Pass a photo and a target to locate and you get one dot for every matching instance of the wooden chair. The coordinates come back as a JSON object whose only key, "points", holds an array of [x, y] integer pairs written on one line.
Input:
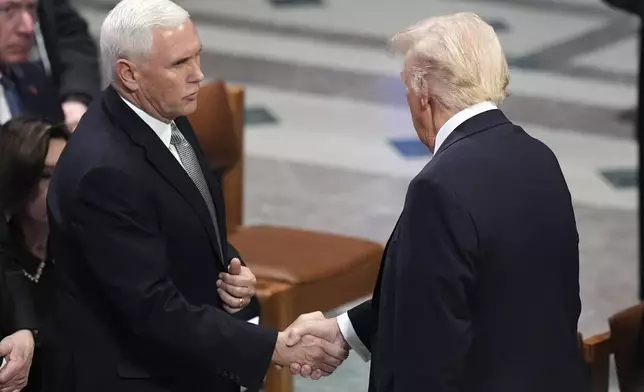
{"points": [[298, 271], [596, 352], [626, 344]]}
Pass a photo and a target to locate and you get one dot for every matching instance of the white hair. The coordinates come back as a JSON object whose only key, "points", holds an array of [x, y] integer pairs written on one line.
{"points": [[126, 32], [455, 59]]}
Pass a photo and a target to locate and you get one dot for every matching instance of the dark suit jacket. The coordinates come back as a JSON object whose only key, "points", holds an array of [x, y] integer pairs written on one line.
{"points": [[16, 303], [38, 94], [70, 50], [632, 6], [478, 288], [137, 261]]}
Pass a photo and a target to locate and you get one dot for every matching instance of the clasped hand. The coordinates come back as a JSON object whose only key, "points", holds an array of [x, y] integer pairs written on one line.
{"points": [[236, 287], [312, 346]]}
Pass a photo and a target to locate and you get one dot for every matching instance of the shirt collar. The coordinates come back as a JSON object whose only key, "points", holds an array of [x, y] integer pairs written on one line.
{"points": [[163, 130], [458, 119]]}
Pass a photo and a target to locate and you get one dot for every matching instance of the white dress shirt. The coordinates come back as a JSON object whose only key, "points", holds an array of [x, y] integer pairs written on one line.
{"points": [[5, 113], [344, 323], [164, 132]]}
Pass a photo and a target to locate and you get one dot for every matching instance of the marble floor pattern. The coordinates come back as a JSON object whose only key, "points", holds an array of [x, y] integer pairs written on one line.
{"points": [[329, 145]]}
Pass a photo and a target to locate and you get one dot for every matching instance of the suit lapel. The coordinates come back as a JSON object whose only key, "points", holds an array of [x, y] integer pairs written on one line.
{"points": [[29, 94], [479, 123], [38, 95], [161, 159]]}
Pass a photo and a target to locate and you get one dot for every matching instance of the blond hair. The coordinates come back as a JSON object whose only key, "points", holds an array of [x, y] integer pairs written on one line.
{"points": [[455, 59]]}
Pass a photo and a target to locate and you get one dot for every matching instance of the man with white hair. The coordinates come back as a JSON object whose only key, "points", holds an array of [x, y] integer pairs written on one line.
{"points": [[148, 283], [478, 288]]}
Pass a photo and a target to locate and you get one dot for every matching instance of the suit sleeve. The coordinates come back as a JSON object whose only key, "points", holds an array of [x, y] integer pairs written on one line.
{"points": [[79, 77], [363, 324], [115, 228], [434, 281]]}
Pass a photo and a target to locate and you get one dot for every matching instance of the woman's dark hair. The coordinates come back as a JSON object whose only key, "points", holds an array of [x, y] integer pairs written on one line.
{"points": [[24, 143]]}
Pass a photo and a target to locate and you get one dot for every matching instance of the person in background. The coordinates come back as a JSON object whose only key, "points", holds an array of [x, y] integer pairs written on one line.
{"points": [[25, 89], [18, 322], [29, 151], [49, 61], [69, 55]]}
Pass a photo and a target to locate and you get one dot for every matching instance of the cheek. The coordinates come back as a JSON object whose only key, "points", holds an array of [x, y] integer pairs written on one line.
{"points": [[37, 207]]}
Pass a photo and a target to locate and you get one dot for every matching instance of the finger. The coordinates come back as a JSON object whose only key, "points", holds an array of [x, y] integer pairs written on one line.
{"points": [[237, 280], [317, 374], [294, 337], [239, 292], [299, 329], [324, 367], [334, 350], [328, 360], [306, 371], [312, 316], [295, 369], [6, 345], [9, 372], [228, 299], [234, 268]]}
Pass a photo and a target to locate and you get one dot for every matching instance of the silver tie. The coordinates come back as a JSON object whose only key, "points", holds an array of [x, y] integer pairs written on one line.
{"points": [[192, 167]]}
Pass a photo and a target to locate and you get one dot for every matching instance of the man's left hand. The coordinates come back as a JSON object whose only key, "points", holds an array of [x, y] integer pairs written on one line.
{"points": [[73, 110], [236, 287]]}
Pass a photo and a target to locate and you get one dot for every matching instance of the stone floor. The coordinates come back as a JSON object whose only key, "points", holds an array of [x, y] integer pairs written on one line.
{"points": [[329, 145]]}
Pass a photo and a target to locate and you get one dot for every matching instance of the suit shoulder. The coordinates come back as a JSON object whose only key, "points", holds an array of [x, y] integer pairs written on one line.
{"points": [[97, 143]]}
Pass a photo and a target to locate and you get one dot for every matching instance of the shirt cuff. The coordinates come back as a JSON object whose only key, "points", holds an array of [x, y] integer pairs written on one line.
{"points": [[351, 337]]}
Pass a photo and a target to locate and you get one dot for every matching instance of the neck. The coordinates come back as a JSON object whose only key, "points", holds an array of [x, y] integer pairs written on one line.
{"points": [[142, 103], [439, 118], [35, 234]]}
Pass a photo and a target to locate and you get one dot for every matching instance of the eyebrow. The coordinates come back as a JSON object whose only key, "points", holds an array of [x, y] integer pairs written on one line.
{"points": [[185, 58]]}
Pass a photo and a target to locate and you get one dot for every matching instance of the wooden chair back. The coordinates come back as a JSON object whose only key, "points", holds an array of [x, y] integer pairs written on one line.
{"points": [[218, 122], [628, 347]]}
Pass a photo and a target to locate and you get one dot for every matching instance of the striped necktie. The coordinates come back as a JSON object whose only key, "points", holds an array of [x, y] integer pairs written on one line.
{"points": [[12, 96], [192, 167]]}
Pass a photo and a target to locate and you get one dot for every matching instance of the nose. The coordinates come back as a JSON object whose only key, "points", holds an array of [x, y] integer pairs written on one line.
{"points": [[198, 74], [27, 23]]}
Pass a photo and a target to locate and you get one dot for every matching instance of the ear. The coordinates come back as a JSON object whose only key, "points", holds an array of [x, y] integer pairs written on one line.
{"points": [[424, 103], [127, 73]]}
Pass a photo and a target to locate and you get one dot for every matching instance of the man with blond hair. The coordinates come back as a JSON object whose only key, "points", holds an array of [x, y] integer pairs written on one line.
{"points": [[478, 288]]}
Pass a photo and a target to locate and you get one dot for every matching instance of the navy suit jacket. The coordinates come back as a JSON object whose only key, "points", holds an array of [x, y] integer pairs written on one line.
{"points": [[137, 259], [39, 96], [478, 289]]}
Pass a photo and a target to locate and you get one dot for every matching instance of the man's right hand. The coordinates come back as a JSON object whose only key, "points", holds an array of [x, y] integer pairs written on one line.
{"points": [[18, 350], [318, 355], [314, 324]]}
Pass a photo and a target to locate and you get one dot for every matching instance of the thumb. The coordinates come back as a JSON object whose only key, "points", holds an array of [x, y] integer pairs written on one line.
{"points": [[234, 268], [6, 345], [293, 337], [315, 328]]}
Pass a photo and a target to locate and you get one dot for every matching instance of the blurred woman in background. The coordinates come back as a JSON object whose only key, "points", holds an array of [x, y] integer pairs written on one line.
{"points": [[29, 151]]}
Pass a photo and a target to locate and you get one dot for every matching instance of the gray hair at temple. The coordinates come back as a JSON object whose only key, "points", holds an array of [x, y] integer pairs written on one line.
{"points": [[457, 60], [126, 32]]}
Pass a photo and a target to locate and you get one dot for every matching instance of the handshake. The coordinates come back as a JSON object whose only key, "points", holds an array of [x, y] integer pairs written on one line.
{"points": [[312, 346]]}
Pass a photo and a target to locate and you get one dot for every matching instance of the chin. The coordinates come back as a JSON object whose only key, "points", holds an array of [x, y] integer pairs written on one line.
{"points": [[16, 58], [191, 106]]}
